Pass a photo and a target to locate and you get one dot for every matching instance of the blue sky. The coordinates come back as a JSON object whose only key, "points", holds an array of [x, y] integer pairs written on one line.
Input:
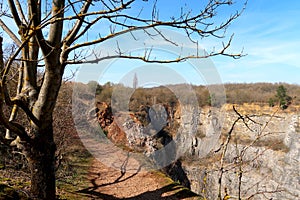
{"points": [[268, 32]]}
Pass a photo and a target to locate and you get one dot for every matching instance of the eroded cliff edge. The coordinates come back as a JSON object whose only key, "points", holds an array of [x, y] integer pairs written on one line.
{"points": [[261, 158]]}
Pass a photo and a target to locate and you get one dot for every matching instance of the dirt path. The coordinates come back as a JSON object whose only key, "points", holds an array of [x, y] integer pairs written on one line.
{"points": [[111, 184], [129, 177]]}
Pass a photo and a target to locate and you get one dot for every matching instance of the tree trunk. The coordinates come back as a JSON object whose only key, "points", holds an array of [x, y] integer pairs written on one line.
{"points": [[41, 156]]}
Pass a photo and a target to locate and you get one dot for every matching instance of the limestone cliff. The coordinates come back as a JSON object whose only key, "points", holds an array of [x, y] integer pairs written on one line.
{"points": [[262, 154]]}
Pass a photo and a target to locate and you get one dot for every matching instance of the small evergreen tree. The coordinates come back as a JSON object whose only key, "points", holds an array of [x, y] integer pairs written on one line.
{"points": [[283, 99]]}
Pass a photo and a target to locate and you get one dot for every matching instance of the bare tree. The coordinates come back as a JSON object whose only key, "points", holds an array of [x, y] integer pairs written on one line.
{"points": [[50, 36], [239, 163]]}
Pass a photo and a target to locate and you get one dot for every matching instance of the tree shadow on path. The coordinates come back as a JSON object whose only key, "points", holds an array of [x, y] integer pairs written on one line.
{"points": [[176, 190], [100, 189]]}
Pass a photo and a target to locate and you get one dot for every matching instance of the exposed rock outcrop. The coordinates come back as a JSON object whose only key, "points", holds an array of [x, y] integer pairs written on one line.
{"points": [[266, 151], [270, 150]]}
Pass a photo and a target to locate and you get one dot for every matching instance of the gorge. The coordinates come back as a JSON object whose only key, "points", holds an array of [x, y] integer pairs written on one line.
{"points": [[251, 151]]}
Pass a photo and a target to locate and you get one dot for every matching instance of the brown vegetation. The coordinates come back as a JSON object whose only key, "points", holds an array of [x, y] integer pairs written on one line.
{"points": [[256, 93]]}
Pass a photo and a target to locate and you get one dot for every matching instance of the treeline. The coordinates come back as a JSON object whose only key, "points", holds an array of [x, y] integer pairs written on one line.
{"points": [[259, 93]]}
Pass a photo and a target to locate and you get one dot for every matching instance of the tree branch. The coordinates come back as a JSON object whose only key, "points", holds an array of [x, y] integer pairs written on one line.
{"points": [[10, 33], [20, 102], [146, 57], [8, 65], [15, 127], [15, 107], [21, 13], [14, 13], [188, 24], [56, 28], [69, 38], [34, 9], [225, 146]]}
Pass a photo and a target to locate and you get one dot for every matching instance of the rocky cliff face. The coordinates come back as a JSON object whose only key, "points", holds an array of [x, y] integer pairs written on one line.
{"points": [[259, 159]]}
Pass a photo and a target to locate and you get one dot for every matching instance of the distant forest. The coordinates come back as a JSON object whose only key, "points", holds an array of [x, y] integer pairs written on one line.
{"points": [[236, 93]]}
